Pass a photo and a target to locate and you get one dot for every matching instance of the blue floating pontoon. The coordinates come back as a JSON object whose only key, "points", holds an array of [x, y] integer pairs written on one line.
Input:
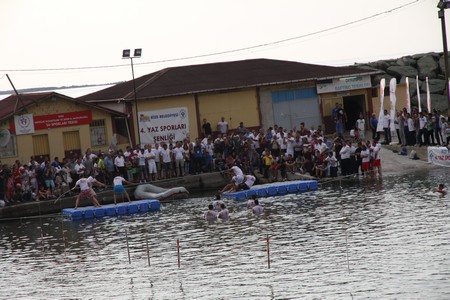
{"points": [[111, 210], [274, 189]]}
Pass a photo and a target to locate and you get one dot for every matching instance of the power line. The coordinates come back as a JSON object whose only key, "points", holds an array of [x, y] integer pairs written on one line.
{"points": [[226, 51]]}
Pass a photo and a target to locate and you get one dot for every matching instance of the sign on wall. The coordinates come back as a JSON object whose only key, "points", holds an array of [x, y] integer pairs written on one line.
{"points": [[344, 84], [24, 124], [27, 123], [157, 126]]}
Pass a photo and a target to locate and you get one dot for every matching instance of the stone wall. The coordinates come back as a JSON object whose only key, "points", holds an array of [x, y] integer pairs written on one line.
{"points": [[424, 65]]}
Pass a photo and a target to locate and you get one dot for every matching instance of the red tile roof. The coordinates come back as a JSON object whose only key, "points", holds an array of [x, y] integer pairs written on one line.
{"points": [[219, 77], [12, 105]]}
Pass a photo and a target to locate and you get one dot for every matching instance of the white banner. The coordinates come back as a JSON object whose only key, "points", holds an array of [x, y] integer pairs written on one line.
{"points": [[408, 98], [428, 96], [157, 126], [418, 94], [393, 98], [381, 114], [439, 156], [24, 124]]}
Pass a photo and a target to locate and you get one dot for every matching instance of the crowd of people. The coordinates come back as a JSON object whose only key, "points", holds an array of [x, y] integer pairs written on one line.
{"points": [[274, 152]]}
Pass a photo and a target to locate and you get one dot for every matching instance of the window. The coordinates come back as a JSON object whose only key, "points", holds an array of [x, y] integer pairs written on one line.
{"points": [[10, 150], [98, 133]]}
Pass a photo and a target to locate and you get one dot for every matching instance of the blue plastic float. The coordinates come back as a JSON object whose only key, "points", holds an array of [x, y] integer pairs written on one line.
{"points": [[111, 210], [274, 189]]}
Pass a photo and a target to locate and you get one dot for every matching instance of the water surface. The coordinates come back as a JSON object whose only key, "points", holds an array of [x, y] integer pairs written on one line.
{"points": [[351, 239]]}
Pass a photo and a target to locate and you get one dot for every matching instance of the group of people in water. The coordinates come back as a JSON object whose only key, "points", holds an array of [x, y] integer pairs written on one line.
{"points": [[218, 210]]}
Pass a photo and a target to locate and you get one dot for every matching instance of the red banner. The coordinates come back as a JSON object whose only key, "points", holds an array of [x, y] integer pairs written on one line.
{"points": [[60, 120]]}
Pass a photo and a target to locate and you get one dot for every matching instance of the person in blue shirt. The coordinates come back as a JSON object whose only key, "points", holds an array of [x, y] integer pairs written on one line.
{"points": [[373, 127]]}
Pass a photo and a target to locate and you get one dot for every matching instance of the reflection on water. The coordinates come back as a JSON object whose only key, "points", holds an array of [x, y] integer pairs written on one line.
{"points": [[350, 240]]}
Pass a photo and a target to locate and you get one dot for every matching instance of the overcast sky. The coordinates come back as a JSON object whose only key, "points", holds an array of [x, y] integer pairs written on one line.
{"points": [[56, 34]]}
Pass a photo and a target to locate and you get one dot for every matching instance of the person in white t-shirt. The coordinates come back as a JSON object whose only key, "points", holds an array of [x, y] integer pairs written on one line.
{"points": [[178, 156], [376, 156], [222, 126], [361, 125], [119, 189], [85, 190], [150, 156], [249, 181]]}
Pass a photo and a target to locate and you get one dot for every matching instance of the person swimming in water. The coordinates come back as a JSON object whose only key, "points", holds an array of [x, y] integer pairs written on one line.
{"points": [[441, 189], [224, 214], [210, 215], [257, 209]]}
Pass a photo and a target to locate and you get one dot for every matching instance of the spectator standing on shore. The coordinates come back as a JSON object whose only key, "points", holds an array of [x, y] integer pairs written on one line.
{"points": [[373, 127], [361, 125], [119, 162], [206, 128], [222, 126], [386, 127]]}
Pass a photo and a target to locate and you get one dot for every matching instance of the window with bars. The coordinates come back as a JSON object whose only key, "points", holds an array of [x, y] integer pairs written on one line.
{"points": [[98, 133]]}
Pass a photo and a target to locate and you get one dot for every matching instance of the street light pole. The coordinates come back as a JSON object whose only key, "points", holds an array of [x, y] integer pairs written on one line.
{"points": [[137, 54], [442, 5]]}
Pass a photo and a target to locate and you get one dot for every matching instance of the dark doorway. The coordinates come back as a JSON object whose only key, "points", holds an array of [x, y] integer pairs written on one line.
{"points": [[353, 106]]}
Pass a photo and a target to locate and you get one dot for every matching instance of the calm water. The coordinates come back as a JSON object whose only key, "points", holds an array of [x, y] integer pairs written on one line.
{"points": [[371, 239]]}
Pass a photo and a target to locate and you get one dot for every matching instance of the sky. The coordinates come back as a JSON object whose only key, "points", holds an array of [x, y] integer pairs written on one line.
{"points": [[64, 43]]}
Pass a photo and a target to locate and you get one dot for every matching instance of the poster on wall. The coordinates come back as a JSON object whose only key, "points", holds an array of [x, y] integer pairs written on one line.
{"points": [[24, 124], [162, 125]]}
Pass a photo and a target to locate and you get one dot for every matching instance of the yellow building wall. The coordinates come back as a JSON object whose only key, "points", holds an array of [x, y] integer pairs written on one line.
{"points": [[400, 94], [235, 107], [172, 102], [24, 143]]}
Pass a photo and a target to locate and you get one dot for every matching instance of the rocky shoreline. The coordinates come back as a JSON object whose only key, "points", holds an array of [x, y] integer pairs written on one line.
{"points": [[423, 65]]}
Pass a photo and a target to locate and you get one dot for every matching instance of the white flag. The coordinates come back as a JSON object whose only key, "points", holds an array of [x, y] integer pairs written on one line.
{"points": [[393, 98], [408, 98], [380, 116], [418, 93], [428, 96]]}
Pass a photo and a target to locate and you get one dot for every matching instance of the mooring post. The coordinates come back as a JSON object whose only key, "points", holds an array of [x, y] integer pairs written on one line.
{"points": [[268, 251], [148, 251], [128, 246], [178, 252]]}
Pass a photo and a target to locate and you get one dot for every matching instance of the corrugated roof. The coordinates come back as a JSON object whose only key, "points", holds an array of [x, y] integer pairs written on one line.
{"points": [[220, 76], [12, 105]]}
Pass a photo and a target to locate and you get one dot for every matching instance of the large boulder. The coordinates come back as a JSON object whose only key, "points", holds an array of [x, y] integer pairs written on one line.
{"points": [[380, 65], [438, 102], [400, 71], [436, 86], [442, 64], [407, 61], [377, 79], [428, 67], [412, 85]]}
